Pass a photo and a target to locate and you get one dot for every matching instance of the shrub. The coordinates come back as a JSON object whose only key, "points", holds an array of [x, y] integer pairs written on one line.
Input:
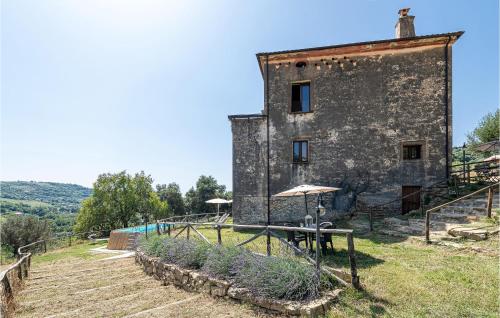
{"points": [[277, 277], [185, 253], [221, 261], [20, 230], [272, 277], [153, 246]]}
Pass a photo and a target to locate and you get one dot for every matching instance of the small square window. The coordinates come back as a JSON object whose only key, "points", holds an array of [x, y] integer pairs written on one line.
{"points": [[300, 151], [300, 98], [412, 152]]}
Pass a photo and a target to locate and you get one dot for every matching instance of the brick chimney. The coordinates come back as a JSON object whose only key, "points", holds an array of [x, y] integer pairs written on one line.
{"points": [[404, 26]]}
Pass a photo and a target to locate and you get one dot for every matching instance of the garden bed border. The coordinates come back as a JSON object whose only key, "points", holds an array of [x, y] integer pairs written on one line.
{"points": [[196, 281]]}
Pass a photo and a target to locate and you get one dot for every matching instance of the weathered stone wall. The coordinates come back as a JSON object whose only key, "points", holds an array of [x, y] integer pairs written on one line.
{"points": [[363, 110], [249, 169]]}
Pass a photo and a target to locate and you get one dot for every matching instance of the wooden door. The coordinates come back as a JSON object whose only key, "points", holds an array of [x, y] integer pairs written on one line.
{"points": [[411, 198]]}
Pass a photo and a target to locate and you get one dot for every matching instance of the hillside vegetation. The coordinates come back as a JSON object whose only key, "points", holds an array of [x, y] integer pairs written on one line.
{"points": [[65, 197], [56, 202]]}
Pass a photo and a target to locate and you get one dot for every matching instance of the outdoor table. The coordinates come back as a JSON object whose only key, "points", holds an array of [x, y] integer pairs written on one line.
{"points": [[310, 238]]}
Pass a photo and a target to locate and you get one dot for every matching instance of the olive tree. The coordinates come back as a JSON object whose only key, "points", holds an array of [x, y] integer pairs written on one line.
{"points": [[120, 200], [19, 230]]}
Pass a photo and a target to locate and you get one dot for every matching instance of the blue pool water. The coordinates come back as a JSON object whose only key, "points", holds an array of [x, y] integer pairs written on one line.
{"points": [[139, 229]]}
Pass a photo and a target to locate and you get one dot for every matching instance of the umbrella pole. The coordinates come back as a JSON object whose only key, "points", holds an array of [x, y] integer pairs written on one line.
{"points": [[305, 200], [308, 235], [318, 238]]}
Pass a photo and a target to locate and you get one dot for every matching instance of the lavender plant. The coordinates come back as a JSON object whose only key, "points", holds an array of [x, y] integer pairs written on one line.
{"points": [[221, 261], [153, 246], [272, 277], [185, 253], [279, 278]]}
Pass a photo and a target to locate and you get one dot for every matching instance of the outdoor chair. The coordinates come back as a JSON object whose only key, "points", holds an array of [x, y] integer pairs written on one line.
{"points": [[295, 238], [326, 237]]}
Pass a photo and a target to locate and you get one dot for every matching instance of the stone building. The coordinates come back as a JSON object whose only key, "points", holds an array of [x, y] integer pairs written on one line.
{"points": [[373, 118]]}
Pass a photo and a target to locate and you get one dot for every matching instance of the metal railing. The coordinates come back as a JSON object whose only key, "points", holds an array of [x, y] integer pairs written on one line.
{"points": [[476, 171], [490, 190], [456, 182]]}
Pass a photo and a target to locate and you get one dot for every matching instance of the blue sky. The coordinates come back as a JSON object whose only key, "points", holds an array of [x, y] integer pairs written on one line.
{"points": [[96, 86]]}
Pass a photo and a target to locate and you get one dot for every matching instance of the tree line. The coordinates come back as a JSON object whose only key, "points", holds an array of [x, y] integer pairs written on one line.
{"points": [[64, 197], [122, 200], [117, 200], [487, 130]]}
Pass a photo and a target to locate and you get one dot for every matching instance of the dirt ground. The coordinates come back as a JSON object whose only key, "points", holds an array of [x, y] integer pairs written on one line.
{"points": [[74, 287]]}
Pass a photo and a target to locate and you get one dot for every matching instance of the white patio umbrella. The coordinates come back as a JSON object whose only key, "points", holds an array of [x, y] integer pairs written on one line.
{"points": [[218, 201], [304, 190]]}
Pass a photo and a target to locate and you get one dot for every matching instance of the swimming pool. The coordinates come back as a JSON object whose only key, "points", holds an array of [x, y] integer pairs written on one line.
{"points": [[138, 229]]}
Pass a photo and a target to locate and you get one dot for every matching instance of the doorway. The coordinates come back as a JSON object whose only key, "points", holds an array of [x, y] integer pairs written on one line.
{"points": [[411, 198]]}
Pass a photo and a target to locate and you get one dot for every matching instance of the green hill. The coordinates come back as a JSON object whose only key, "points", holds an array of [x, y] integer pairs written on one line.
{"points": [[55, 202], [63, 197]]}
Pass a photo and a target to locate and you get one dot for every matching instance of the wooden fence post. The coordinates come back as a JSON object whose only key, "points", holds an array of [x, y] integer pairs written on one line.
{"points": [[188, 226], [352, 261], [427, 225], [45, 246], [219, 237], [168, 229], [20, 272], [490, 201], [69, 239], [158, 228]]}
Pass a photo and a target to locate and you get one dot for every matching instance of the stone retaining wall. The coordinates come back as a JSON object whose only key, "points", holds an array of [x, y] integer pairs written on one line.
{"points": [[195, 281]]}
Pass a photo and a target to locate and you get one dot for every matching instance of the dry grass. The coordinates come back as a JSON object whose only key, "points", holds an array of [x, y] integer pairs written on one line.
{"points": [[407, 278], [90, 286]]}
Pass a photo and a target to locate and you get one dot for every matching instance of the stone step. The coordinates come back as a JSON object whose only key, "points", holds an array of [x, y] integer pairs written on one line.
{"points": [[463, 210], [455, 217], [470, 233], [468, 203], [395, 221]]}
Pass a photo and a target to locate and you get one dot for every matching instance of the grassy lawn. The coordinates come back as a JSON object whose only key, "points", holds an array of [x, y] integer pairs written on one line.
{"points": [[407, 278], [80, 250], [411, 279], [401, 278]]}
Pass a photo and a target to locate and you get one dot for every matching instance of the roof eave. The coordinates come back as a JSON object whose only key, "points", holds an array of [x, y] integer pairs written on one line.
{"points": [[457, 34]]}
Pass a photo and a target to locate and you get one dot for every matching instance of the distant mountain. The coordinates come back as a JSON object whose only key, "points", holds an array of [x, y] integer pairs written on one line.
{"points": [[63, 196]]}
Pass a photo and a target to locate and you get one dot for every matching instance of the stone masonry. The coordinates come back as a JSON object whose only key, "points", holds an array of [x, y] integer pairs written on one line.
{"points": [[367, 100]]}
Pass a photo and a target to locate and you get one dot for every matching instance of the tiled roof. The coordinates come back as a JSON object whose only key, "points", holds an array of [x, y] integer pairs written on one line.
{"points": [[457, 34]]}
